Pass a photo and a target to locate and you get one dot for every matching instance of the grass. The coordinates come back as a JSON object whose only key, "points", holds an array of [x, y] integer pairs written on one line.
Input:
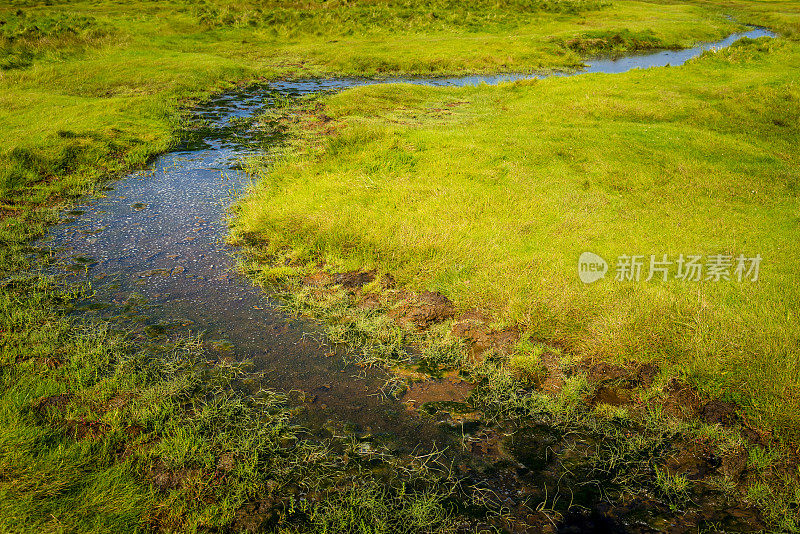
{"points": [[619, 451], [89, 90], [102, 433], [490, 194]]}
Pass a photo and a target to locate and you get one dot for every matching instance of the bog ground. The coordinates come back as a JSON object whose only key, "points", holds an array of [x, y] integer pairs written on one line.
{"points": [[432, 233]]}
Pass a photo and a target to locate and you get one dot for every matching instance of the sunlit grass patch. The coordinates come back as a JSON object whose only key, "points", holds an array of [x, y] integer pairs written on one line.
{"points": [[493, 206]]}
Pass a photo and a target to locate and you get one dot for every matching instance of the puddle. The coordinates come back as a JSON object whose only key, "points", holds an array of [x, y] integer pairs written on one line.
{"points": [[153, 249]]}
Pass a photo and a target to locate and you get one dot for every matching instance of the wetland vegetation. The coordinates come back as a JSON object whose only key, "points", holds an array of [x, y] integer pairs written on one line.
{"points": [[434, 232]]}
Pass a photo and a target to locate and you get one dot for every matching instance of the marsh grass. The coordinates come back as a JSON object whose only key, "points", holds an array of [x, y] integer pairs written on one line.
{"points": [[89, 90], [617, 451], [99, 434], [25, 38], [373, 507], [489, 205], [293, 19]]}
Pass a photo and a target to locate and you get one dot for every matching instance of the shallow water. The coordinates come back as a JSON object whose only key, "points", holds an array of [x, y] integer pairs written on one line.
{"points": [[154, 248]]}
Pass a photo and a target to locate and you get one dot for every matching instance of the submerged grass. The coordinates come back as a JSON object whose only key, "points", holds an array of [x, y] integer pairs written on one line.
{"points": [[100, 434]]}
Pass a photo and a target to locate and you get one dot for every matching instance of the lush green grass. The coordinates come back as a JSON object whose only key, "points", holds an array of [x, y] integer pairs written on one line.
{"points": [[101, 434], [490, 194], [152, 437], [89, 89]]}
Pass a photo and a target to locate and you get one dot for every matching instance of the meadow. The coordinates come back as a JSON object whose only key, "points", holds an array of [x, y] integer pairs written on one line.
{"points": [[490, 194], [486, 194]]}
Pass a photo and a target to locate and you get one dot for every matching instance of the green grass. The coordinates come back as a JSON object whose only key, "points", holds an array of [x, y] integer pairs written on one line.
{"points": [[153, 438], [91, 89], [490, 194], [102, 434]]}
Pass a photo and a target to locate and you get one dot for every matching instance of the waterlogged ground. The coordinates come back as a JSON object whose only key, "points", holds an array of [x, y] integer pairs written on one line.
{"points": [[153, 249]]}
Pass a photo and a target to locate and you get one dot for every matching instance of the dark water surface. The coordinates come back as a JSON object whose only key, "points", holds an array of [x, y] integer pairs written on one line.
{"points": [[154, 246]]}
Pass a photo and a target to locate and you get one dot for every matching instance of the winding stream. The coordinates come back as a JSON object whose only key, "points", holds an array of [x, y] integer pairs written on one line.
{"points": [[153, 249]]}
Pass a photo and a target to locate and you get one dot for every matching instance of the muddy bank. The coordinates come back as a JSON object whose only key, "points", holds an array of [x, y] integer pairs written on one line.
{"points": [[630, 450]]}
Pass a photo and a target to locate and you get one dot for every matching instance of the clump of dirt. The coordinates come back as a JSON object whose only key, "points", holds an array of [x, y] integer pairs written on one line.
{"points": [[354, 279], [534, 447], [615, 384], [318, 279], [226, 462], [554, 381], [370, 301], [118, 401], [80, 429], [474, 327], [388, 282], [693, 459], [680, 400], [604, 373], [719, 412], [734, 465], [630, 375], [54, 401], [423, 310], [167, 479], [256, 516], [53, 362], [612, 396], [646, 374], [450, 389]]}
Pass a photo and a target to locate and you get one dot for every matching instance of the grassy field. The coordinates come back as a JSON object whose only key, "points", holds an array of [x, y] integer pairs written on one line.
{"points": [[490, 194], [102, 433], [89, 90]]}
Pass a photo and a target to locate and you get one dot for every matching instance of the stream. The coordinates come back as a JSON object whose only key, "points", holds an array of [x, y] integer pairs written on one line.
{"points": [[153, 250]]}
